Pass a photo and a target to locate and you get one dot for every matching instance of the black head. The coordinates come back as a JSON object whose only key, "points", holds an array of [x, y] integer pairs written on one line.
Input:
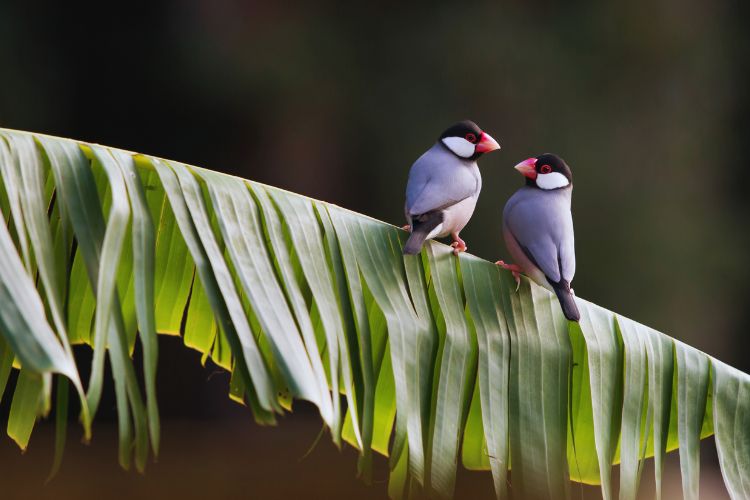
{"points": [[546, 172], [467, 141], [462, 129]]}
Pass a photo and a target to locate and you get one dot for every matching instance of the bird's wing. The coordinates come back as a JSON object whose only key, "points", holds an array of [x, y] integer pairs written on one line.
{"points": [[438, 180], [543, 227]]}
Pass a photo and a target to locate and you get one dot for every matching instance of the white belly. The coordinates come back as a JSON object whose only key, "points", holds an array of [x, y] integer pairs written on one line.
{"points": [[455, 218]]}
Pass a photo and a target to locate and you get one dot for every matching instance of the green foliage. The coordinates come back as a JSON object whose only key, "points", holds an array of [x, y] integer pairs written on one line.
{"points": [[437, 357]]}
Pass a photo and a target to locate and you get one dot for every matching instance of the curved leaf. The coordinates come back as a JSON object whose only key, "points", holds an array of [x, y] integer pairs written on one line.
{"points": [[304, 299]]}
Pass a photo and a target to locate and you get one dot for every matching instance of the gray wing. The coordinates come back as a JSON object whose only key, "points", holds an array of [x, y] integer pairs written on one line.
{"points": [[437, 180], [543, 226]]}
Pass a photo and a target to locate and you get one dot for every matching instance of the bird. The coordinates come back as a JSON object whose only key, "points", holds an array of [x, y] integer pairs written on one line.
{"points": [[538, 228], [444, 185]]}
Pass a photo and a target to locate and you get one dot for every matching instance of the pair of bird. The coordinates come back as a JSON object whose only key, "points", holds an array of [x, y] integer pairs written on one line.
{"points": [[442, 191]]}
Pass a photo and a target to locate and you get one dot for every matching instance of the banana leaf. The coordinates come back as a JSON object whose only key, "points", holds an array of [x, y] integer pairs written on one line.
{"points": [[439, 359]]}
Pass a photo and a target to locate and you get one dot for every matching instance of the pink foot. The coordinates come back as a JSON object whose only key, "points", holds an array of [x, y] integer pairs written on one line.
{"points": [[458, 245], [514, 269], [407, 227]]}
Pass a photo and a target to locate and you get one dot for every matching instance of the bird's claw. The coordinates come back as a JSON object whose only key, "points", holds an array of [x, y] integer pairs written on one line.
{"points": [[515, 271], [458, 248], [406, 227], [458, 245]]}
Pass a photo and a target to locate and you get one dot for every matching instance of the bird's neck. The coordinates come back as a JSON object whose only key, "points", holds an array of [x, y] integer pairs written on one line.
{"points": [[532, 184]]}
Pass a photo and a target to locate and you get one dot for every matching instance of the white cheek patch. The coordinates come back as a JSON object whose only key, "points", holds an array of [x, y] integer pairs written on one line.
{"points": [[553, 180], [460, 146]]}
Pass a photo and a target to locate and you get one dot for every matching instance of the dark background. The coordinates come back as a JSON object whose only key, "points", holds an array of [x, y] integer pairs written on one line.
{"points": [[647, 101]]}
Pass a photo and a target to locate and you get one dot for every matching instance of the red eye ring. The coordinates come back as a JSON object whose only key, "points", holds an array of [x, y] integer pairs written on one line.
{"points": [[545, 169], [471, 138]]}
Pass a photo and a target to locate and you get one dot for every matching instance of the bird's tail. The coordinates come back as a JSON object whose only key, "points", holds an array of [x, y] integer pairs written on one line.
{"points": [[421, 227], [414, 244], [567, 300]]}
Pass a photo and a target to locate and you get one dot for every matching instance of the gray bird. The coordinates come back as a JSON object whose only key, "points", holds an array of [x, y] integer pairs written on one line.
{"points": [[444, 185], [538, 228]]}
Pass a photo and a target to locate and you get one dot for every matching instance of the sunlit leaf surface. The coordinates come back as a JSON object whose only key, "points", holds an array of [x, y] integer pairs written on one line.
{"points": [[431, 359]]}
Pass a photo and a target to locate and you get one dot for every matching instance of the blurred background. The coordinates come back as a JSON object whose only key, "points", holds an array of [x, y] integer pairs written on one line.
{"points": [[647, 101]]}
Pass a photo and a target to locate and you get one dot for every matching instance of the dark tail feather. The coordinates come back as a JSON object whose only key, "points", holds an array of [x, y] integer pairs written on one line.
{"points": [[421, 227], [567, 300], [414, 243]]}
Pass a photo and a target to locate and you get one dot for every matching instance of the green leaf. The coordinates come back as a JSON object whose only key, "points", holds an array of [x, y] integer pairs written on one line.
{"points": [[308, 242], [287, 269], [34, 205], [731, 405], [22, 318], [367, 342], [661, 368], [173, 268], [635, 401], [143, 273], [201, 328], [538, 392], [409, 330], [457, 370], [604, 358], [352, 369], [693, 370], [484, 298], [27, 404], [242, 233], [583, 463], [298, 298], [109, 325], [474, 455], [385, 406], [12, 184], [191, 215]]}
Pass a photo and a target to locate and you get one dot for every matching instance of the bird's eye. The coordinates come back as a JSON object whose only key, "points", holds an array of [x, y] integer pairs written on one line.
{"points": [[471, 138], [545, 169]]}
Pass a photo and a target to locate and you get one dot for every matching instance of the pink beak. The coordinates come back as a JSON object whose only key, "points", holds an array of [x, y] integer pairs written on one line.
{"points": [[527, 168], [486, 144]]}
